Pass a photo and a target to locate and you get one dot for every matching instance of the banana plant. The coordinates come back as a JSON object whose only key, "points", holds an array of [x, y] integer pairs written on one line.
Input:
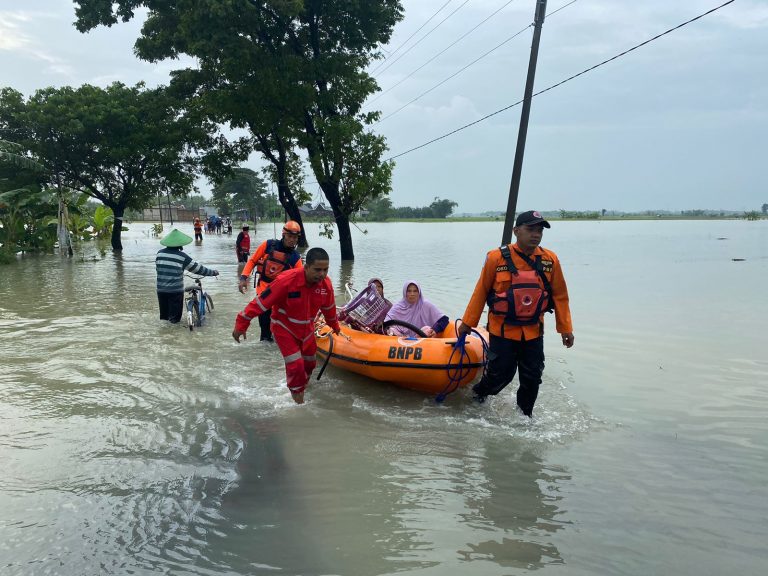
{"points": [[102, 220]]}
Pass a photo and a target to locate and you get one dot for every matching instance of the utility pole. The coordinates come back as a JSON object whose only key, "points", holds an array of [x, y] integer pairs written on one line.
{"points": [[517, 168]]}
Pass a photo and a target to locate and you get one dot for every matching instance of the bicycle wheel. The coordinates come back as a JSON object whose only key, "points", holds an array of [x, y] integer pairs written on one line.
{"points": [[209, 301], [195, 310], [190, 314]]}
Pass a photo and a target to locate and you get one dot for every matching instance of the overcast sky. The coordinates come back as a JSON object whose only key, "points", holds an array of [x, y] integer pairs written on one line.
{"points": [[680, 123]]}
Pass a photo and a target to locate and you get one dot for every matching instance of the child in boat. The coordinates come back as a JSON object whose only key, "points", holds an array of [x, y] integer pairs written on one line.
{"points": [[415, 310]]}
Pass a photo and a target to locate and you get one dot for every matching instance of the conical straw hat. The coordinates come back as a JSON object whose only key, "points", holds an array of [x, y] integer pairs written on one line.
{"points": [[175, 239]]}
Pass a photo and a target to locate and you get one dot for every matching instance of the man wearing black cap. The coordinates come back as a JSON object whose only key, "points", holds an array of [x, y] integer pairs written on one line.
{"points": [[519, 282]]}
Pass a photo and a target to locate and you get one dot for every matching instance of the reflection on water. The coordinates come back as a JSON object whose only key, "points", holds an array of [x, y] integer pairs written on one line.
{"points": [[132, 446]]}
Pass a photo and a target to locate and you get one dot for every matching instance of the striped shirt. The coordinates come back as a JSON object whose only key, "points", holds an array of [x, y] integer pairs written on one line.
{"points": [[170, 264]]}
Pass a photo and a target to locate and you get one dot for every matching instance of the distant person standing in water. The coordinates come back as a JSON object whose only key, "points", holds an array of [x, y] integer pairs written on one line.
{"points": [[520, 282], [198, 226], [171, 262], [243, 247]]}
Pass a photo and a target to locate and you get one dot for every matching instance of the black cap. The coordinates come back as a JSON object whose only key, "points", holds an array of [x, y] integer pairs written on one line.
{"points": [[531, 218]]}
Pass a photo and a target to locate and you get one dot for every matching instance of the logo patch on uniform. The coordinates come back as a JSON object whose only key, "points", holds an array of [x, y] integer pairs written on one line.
{"points": [[547, 265], [294, 294], [503, 268], [321, 291]]}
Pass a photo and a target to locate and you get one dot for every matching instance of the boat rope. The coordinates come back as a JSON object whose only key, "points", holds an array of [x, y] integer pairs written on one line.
{"points": [[328, 357], [457, 372]]}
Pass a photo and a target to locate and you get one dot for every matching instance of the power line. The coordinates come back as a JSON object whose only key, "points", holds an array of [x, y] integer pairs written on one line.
{"points": [[475, 61], [411, 36], [451, 45], [452, 132], [420, 40]]}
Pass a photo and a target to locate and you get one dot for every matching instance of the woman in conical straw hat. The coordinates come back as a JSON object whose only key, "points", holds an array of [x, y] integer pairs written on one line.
{"points": [[171, 262]]}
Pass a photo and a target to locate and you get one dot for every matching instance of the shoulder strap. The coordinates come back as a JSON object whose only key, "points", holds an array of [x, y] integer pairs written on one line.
{"points": [[508, 259]]}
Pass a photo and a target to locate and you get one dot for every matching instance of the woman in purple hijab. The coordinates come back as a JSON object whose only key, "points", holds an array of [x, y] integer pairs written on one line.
{"points": [[415, 310]]}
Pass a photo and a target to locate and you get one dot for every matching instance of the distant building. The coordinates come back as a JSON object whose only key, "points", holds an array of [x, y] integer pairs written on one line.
{"points": [[318, 210]]}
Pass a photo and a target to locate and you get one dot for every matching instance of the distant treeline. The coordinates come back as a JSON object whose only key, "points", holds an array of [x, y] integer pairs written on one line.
{"points": [[381, 210]]}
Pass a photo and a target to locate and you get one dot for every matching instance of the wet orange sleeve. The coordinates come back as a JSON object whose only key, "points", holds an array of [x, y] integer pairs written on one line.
{"points": [[480, 295], [251, 264], [560, 299]]}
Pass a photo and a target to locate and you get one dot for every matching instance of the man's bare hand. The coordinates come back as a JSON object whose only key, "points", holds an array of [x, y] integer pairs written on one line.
{"points": [[242, 285], [464, 329], [236, 335], [567, 339]]}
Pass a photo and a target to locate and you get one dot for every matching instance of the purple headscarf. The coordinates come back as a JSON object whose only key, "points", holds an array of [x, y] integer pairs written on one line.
{"points": [[422, 313]]}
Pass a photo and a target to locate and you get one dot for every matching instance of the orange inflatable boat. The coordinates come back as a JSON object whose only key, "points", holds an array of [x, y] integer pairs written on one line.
{"points": [[431, 365]]}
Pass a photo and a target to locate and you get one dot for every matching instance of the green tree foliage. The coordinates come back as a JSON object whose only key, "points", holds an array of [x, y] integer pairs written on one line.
{"points": [[121, 145], [290, 72], [244, 190], [442, 208], [380, 209]]}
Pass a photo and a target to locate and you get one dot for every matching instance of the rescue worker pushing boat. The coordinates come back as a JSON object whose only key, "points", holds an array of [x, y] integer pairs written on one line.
{"points": [[519, 282], [271, 258], [294, 298]]}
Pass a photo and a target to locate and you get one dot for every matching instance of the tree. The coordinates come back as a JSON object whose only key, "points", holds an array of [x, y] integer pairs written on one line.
{"points": [[288, 71], [442, 208], [380, 209], [121, 145], [244, 190]]}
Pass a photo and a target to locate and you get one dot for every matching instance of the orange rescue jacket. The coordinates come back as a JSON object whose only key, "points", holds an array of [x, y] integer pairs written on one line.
{"points": [[496, 277], [256, 258]]}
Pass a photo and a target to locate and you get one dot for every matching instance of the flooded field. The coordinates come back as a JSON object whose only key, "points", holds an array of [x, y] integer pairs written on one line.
{"points": [[130, 446]]}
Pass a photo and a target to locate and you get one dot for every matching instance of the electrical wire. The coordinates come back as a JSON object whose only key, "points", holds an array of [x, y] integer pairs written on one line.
{"points": [[451, 45], [420, 40], [452, 132], [380, 64], [475, 61]]}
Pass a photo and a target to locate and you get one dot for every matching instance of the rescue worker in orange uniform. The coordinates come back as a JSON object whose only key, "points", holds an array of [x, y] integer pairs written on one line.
{"points": [[294, 299], [519, 282], [270, 259], [198, 226]]}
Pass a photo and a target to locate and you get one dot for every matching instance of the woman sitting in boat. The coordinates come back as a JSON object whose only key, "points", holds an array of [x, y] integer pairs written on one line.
{"points": [[416, 311], [378, 284]]}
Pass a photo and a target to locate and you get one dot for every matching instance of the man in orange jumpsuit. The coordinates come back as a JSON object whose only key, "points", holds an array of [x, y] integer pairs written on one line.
{"points": [[294, 299], [271, 258], [519, 282]]}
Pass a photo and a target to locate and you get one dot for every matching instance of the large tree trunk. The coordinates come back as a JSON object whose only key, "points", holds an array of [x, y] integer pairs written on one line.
{"points": [[331, 191], [117, 228], [288, 202]]}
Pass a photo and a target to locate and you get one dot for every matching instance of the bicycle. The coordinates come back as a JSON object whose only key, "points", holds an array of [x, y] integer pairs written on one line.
{"points": [[196, 302]]}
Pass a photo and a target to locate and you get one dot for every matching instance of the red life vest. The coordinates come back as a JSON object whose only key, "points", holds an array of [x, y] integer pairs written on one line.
{"points": [[527, 293], [275, 261], [244, 244]]}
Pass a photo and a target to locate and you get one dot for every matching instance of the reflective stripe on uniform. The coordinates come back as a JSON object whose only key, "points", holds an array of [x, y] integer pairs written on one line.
{"points": [[292, 357], [309, 358], [290, 319], [278, 323]]}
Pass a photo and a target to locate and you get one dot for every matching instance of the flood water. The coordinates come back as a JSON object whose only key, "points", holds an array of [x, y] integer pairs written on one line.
{"points": [[130, 446]]}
